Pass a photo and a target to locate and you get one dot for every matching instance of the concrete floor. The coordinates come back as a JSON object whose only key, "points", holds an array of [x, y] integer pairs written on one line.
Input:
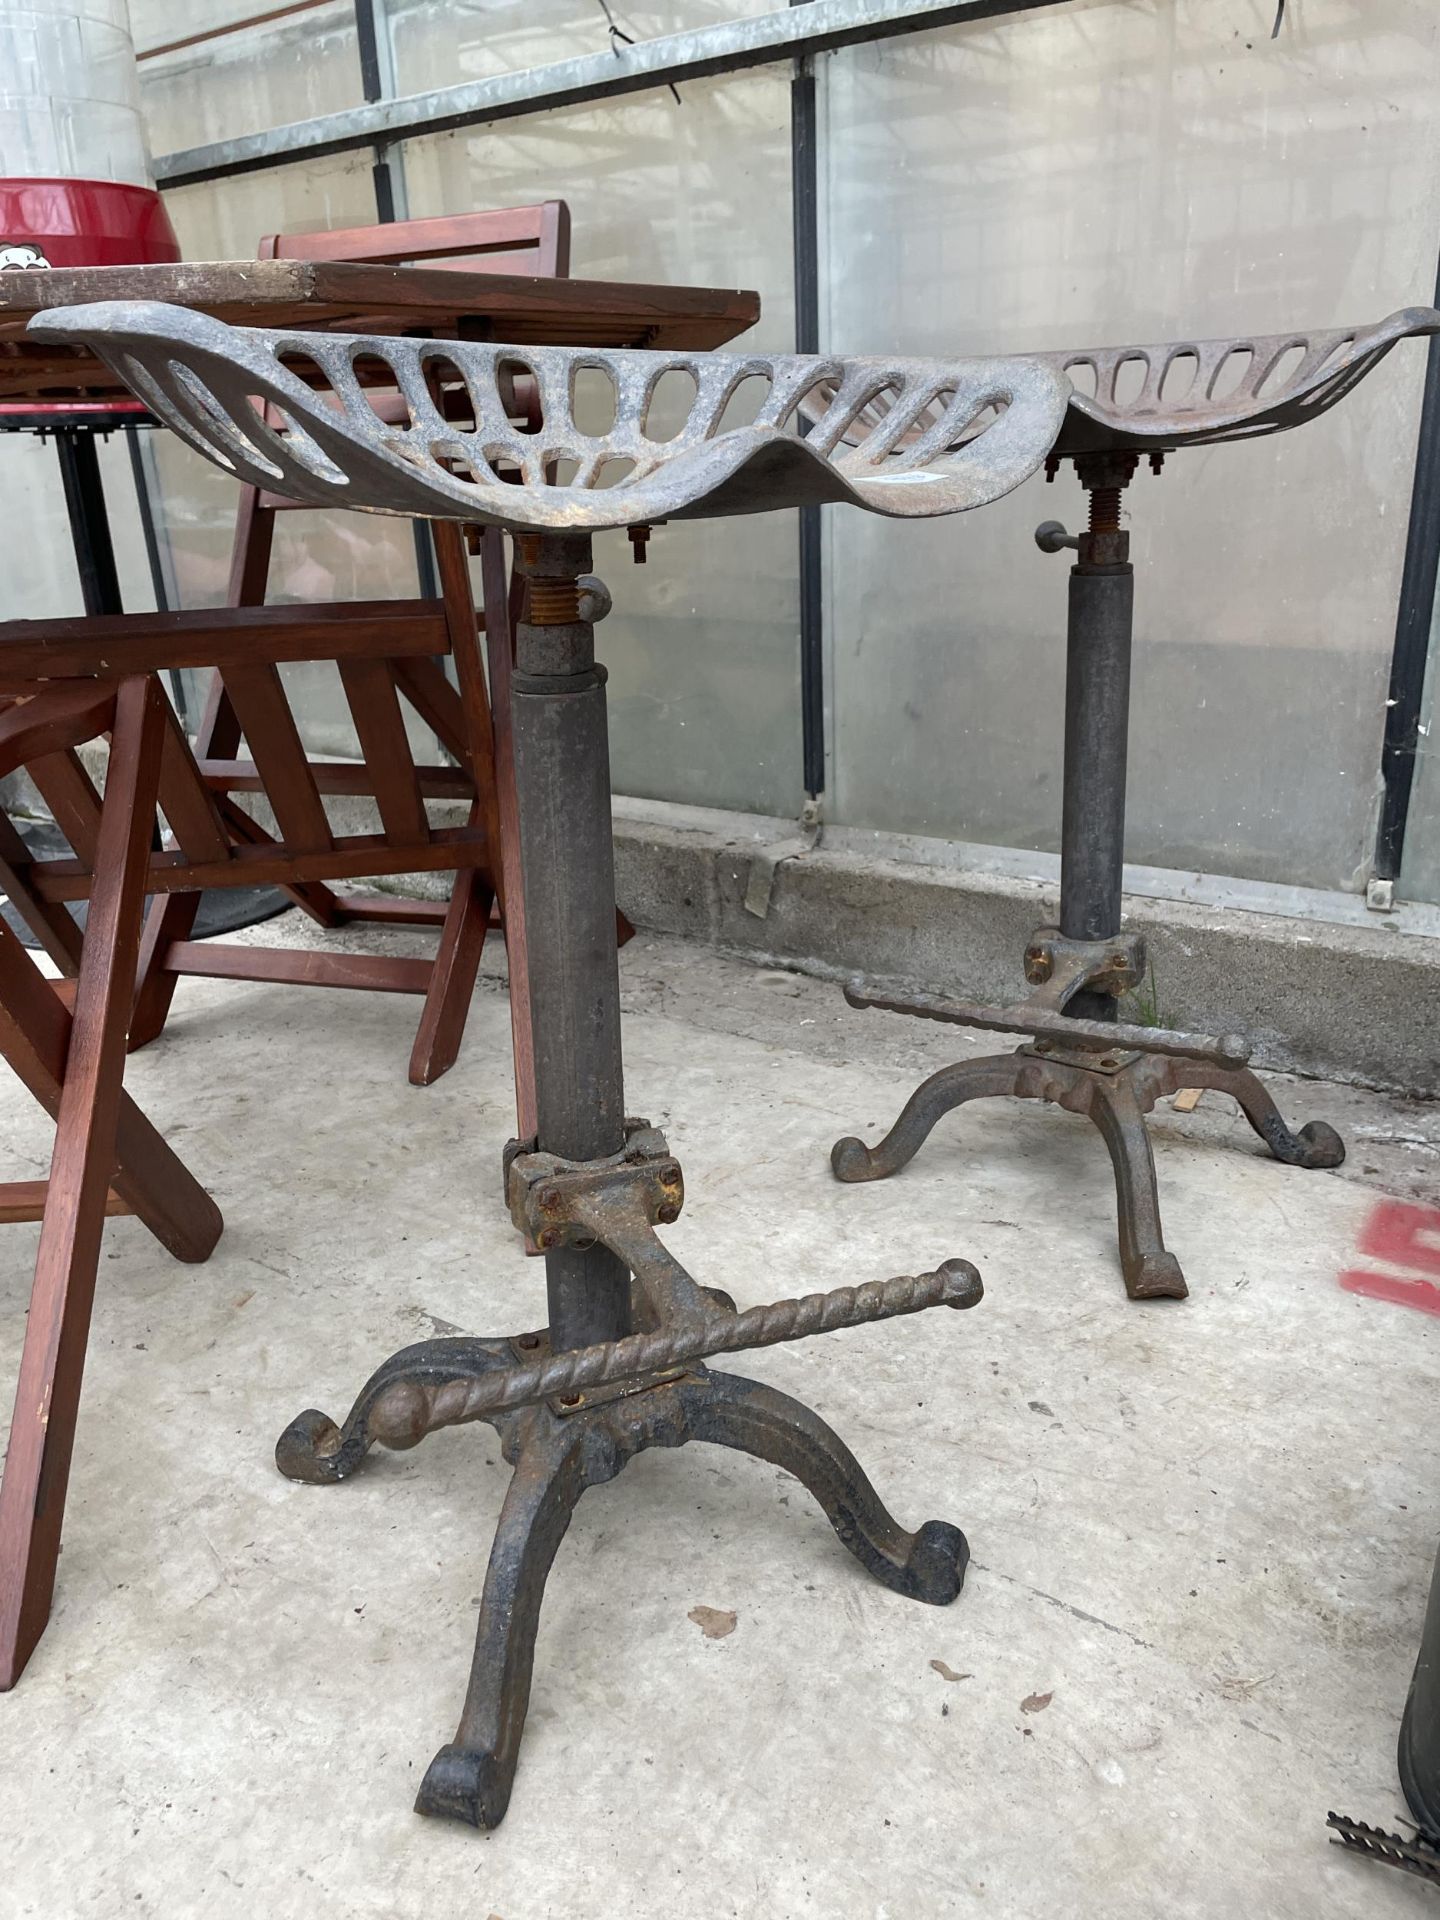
{"points": [[1202, 1531]]}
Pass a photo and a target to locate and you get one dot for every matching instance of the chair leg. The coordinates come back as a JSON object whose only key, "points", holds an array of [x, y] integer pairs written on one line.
{"points": [[37, 1469], [452, 979], [170, 916]]}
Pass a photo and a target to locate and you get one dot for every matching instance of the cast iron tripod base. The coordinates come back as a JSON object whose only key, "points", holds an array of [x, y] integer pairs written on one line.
{"points": [[1116, 1091], [557, 1452]]}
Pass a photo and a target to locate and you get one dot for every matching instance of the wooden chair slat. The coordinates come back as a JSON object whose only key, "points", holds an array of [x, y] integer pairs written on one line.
{"points": [[53, 927], [375, 708], [185, 800], [437, 703], [355, 856], [69, 793], [340, 776], [268, 728]]}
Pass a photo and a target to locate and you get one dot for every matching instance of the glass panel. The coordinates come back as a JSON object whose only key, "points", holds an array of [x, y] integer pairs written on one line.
{"points": [[1089, 175], [263, 76], [46, 586], [1420, 873], [439, 43], [702, 646], [317, 556]]}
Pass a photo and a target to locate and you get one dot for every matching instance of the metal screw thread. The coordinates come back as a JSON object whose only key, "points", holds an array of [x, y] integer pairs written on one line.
{"points": [[1104, 509], [554, 603]]}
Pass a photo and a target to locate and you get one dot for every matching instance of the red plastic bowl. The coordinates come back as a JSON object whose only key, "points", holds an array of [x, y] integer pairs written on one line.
{"points": [[82, 223]]}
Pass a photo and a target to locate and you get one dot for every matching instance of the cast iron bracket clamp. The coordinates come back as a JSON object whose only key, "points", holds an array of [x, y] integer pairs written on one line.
{"points": [[615, 1202]]}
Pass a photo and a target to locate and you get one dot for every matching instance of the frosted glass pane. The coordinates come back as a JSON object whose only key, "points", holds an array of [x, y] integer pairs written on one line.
{"points": [[703, 644], [439, 43], [261, 77], [43, 585], [1101, 173], [317, 556]]}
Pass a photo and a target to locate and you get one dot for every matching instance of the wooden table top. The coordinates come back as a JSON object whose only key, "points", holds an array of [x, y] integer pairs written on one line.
{"points": [[340, 297]]}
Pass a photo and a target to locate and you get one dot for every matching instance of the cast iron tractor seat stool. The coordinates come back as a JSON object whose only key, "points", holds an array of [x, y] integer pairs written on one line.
{"points": [[1079, 1054], [620, 1366]]}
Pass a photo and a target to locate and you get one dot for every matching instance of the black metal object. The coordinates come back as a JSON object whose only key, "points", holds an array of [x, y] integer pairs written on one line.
{"points": [[89, 521], [1080, 1056], [1419, 1749], [805, 221], [1420, 1856], [620, 1366], [1414, 618]]}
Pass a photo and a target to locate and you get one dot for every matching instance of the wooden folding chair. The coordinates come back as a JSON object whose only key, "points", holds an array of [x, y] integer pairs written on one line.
{"points": [[530, 240], [386, 652], [108, 1158]]}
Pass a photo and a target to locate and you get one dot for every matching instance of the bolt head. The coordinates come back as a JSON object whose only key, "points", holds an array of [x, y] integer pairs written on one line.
{"points": [[548, 1237], [668, 1214]]}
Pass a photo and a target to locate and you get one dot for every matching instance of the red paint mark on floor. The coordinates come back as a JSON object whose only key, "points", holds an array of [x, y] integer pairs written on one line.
{"points": [[1403, 1235]]}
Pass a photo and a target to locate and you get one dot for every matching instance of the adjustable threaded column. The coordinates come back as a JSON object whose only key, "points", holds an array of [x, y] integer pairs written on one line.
{"points": [[562, 781]]}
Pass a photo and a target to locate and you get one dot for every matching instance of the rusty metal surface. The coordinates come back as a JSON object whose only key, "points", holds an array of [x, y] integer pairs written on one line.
{"points": [[1116, 1098], [615, 1201], [555, 1458], [1041, 1014], [971, 428]]}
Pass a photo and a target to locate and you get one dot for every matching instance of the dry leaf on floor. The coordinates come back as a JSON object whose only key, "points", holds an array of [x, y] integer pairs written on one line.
{"points": [[1036, 1702], [713, 1622], [948, 1673]]}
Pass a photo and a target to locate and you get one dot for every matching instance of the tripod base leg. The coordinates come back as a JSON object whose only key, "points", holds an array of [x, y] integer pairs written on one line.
{"points": [[1316, 1144], [555, 1456], [1151, 1273], [997, 1074]]}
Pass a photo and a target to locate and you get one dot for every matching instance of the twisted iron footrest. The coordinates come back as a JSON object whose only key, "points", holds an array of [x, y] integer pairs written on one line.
{"points": [[1041, 1022], [409, 1410], [409, 1406]]}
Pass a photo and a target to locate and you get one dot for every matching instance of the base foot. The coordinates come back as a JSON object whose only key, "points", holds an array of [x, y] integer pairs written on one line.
{"points": [[463, 1785], [1116, 1098], [555, 1456]]}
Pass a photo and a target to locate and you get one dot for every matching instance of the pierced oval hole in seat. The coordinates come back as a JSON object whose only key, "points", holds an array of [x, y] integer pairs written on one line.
{"points": [[562, 472], [306, 368], [458, 465], [1231, 372], [520, 395], [1179, 378], [1128, 381], [745, 402], [450, 391], [615, 471], [300, 448], [870, 417], [669, 406], [1273, 386], [380, 387], [980, 422], [222, 426], [505, 466], [811, 406], [1337, 353], [593, 401], [1081, 375]]}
